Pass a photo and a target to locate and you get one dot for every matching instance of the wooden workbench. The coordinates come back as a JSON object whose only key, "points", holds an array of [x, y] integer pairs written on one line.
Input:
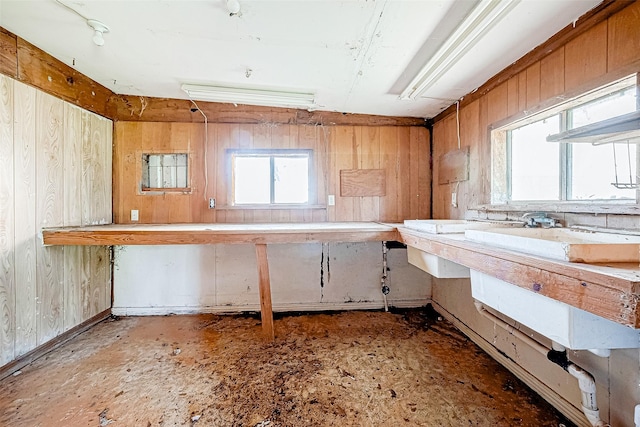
{"points": [[611, 291], [202, 234]]}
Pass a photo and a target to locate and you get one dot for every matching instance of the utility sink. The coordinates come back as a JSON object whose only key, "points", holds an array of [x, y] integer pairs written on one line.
{"points": [[562, 244], [435, 265], [446, 226], [567, 325]]}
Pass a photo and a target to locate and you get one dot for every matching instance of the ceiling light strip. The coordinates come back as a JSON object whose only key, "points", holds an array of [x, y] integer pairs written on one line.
{"points": [[250, 96], [486, 14]]}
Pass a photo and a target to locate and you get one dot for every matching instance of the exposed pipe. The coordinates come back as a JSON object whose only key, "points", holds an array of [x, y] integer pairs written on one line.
{"points": [[383, 280], [558, 355], [512, 330]]}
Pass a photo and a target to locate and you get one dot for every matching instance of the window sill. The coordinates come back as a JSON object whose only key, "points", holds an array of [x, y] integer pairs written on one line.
{"points": [[270, 207], [620, 208]]}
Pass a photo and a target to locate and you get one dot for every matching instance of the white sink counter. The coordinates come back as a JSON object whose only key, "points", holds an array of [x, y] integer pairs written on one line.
{"points": [[609, 290]]}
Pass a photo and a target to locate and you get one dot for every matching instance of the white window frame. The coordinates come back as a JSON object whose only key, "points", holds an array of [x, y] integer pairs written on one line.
{"points": [[501, 156], [271, 153]]}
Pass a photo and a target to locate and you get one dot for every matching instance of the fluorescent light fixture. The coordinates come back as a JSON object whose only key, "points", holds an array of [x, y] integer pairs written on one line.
{"points": [[475, 25], [250, 96]]}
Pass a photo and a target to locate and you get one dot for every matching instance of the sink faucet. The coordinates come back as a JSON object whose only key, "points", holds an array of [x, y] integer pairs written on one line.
{"points": [[539, 219]]}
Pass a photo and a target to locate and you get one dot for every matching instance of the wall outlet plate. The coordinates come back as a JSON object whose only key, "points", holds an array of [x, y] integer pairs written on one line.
{"points": [[212, 203], [331, 200], [134, 214]]}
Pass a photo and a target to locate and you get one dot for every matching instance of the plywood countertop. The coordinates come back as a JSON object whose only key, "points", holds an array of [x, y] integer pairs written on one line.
{"points": [[610, 290], [181, 234]]}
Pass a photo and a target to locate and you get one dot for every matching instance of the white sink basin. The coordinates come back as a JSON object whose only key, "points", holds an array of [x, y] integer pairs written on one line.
{"points": [[573, 328], [562, 244], [447, 226]]}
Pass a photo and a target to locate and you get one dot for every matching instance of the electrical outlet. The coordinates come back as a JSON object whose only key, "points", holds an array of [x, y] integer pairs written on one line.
{"points": [[454, 199], [212, 203], [331, 200], [134, 214]]}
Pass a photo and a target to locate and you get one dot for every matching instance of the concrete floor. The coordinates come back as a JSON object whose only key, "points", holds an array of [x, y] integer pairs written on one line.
{"points": [[343, 369]]}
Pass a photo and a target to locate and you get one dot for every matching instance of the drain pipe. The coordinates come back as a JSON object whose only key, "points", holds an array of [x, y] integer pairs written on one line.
{"points": [[383, 280], [558, 355], [587, 384]]}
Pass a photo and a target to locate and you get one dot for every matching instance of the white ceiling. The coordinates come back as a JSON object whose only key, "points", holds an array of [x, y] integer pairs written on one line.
{"points": [[356, 55]]}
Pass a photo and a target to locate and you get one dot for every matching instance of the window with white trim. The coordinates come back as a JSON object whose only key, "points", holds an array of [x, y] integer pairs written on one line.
{"points": [[526, 167], [270, 177]]}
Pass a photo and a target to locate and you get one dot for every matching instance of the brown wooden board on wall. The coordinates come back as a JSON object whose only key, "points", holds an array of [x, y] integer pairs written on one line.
{"points": [[362, 182], [453, 166]]}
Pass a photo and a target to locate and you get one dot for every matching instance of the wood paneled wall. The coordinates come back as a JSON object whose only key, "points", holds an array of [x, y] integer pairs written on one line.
{"points": [[402, 151], [604, 51], [55, 170]]}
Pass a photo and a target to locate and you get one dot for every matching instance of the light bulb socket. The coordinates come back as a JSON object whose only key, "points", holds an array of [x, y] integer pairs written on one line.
{"points": [[99, 29], [233, 6]]}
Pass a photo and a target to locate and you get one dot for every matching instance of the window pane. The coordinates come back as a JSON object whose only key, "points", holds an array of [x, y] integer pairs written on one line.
{"points": [[535, 163], [594, 171], [613, 105], [252, 177], [165, 171], [291, 179]]}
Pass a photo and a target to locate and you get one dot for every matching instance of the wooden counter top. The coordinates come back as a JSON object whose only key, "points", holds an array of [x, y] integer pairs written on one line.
{"points": [[607, 290], [611, 291], [198, 234]]}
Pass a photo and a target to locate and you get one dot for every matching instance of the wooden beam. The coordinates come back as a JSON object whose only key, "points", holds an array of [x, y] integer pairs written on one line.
{"points": [[266, 310], [8, 53], [149, 109], [598, 14], [203, 234], [38, 68]]}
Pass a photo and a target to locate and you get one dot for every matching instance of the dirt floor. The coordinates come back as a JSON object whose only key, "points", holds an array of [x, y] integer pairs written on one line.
{"points": [[342, 369]]}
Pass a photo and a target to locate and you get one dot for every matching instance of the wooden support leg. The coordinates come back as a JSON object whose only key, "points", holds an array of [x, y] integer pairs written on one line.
{"points": [[266, 312]]}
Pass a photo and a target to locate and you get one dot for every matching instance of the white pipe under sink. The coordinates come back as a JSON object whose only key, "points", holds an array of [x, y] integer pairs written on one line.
{"points": [[585, 380]]}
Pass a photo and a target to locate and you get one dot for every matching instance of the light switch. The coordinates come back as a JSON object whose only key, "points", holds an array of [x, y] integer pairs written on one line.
{"points": [[331, 200], [134, 214]]}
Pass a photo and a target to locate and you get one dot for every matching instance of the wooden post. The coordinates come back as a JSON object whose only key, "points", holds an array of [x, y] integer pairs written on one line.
{"points": [[266, 312]]}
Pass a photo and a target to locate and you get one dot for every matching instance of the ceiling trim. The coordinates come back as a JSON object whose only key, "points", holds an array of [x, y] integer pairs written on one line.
{"points": [[149, 109]]}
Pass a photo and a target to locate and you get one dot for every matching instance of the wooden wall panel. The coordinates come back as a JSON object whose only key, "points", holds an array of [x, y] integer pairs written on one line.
{"points": [[552, 74], [334, 148], [586, 57], [26, 239], [73, 256], [533, 85], [46, 174], [50, 213], [421, 159], [7, 257], [368, 146], [623, 41]]}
